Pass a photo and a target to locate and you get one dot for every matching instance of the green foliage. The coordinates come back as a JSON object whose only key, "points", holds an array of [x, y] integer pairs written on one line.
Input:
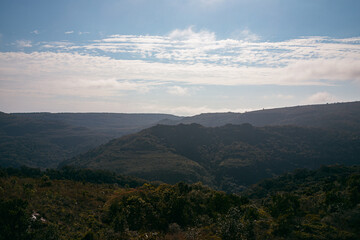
{"points": [[321, 204], [72, 173], [284, 204], [154, 208], [306, 204], [231, 226], [89, 236], [13, 219]]}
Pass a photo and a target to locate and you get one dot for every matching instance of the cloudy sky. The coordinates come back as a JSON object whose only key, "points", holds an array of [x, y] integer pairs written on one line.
{"points": [[182, 57]]}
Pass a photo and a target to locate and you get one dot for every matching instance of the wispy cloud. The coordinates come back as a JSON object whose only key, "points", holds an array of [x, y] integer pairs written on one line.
{"points": [[321, 97], [189, 35], [69, 32], [35, 32], [23, 43], [314, 57], [245, 35], [56, 45], [183, 59], [178, 91]]}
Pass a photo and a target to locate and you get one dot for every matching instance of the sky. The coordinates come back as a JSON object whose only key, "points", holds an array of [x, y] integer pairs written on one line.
{"points": [[182, 57]]}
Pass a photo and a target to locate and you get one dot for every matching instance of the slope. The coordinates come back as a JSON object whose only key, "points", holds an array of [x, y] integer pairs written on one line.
{"points": [[227, 157], [341, 116], [40, 143], [111, 124]]}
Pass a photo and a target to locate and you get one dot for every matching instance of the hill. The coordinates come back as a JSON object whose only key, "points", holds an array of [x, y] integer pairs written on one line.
{"points": [[227, 157], [340, 116], [45, 139], [41, 143], [110, 124]]}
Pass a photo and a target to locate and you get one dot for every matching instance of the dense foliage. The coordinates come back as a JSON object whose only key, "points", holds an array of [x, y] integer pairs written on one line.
{"points": [[306, 204], [321, 204], [75, 174]]}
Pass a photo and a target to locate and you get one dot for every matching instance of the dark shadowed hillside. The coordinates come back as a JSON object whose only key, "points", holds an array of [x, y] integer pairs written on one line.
{"points": [[45, 139], [340, 116], [41, 143], [226, 157]]}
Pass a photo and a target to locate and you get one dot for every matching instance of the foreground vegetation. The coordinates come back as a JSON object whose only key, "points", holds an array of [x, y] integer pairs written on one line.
{"points": [[321, 204]]}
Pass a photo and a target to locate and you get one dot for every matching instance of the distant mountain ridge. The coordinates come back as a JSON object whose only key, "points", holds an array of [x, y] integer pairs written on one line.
{"points": [[340, 116], [111, 124], [225, 157], [39, 143], [45, 139]]}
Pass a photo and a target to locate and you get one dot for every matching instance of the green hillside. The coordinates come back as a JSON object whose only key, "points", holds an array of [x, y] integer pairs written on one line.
{"points": [[227, 157]]}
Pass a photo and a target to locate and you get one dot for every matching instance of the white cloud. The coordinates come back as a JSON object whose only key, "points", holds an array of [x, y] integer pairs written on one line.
{"points": [[178, 91], [246, 35], [69, 32], [322, 69], [35, 32], [190, 35], [182, 57], [298, 60], [321, 97], [23, 43], [75, 73], [60, 44]]}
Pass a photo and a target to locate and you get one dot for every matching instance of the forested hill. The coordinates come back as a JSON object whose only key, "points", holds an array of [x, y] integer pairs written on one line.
{"points": [[340, 116], [225, 157], [45, 139], [41, 143]]}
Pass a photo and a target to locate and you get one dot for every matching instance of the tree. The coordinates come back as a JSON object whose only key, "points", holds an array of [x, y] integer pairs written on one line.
{"points": [[13, 220]]}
